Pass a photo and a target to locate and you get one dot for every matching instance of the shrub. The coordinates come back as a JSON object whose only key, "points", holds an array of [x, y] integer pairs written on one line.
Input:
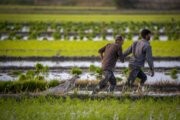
{"points": [[17, 27], [24, 86], [156, 36], [53, 83], [99, 70], [15, 72], [125, 72], [56, 36], [22, 77], [5, 86], [92, 68], [53, 26], [39, 77], [119, 79], [33, 35], [39, 67], [176, 36], [19, 37], [76, 71], [45, 39], [173, 73], [11, 35], [33, 85], [16, 87], [30, 74], [45, 69], [74, 37], [129, 36]]}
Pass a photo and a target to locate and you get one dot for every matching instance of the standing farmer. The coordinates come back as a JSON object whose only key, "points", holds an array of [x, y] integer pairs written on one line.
{"points": [[111, 53], [140, 50]]}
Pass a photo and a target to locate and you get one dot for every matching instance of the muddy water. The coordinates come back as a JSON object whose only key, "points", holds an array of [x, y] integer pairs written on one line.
{"points": [[120, 93], [159, 77], [164, 64]]}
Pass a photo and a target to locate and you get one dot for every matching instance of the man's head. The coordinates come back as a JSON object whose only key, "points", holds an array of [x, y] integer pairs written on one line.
{"points": [[146, 34], [119, 39]]}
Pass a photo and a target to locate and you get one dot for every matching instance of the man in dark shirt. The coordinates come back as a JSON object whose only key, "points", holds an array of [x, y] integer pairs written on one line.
{"points": [[140, 50], [111, 53]]}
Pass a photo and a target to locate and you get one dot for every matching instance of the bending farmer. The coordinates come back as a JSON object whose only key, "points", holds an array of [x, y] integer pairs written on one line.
{"points": [[111, 54]]}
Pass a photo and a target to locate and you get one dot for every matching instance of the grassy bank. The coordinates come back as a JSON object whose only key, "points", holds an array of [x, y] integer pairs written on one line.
{"points": [[77, 48], [50, 108], [86, 18]]}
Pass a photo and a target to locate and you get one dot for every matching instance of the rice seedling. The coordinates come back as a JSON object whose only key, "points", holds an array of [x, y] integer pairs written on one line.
{"points": [[173, 73], [76, 71], [22, 77], [51, 108], [14, 72]]}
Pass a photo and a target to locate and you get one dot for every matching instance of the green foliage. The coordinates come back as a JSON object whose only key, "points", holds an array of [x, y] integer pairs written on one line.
{"points": [[99, 71], [119, 79], [38, 77], [92, 68], [90, 29], [22, 86], [125, 72], [11, 35], [156, 36], [129, 36], [15, 72], [45, 38], [22, 77], [56, 36], [173, 73], [19, 37], [53, 83], [30, 74], [123, 109], [33, 35], [39, 67], [76, 71], [45, 69], [176, 36]]}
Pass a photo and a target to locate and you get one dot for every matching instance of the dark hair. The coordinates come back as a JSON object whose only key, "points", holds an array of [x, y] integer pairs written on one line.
{"points": [[118, 37], [145, 32]]}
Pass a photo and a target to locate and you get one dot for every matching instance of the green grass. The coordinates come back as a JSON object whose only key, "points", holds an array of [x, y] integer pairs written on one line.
{"points": [[26, 86], [19, 9], [53, 7], [55, 109], [86, 18], [77, 48]]}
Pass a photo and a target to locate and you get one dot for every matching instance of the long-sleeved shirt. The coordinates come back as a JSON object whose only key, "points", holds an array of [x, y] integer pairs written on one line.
{"points": [[140, 50], [111, 53]]}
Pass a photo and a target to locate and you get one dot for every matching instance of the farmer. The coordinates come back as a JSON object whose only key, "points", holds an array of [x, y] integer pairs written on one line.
{"points": [[140, 50], [111, 53]]}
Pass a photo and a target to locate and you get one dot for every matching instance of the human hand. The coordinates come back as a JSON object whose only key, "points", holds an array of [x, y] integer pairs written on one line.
{"points": [[152, 73]]}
